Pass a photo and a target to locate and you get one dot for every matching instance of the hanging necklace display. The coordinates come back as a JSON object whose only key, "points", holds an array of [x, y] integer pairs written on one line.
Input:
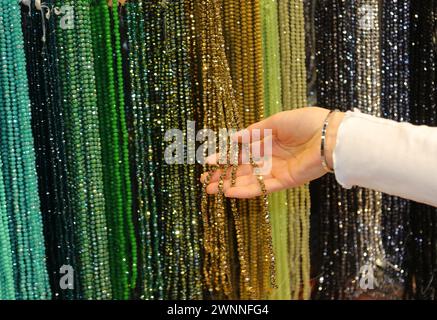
{"points": [[162, 98], [422, 247], [85, 172], [48, 132], [113, 134], [17, 155], [221, 111]]}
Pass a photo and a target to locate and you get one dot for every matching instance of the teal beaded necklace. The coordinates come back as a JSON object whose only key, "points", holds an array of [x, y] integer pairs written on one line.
{"points": [[19, 174], [7, 290]]}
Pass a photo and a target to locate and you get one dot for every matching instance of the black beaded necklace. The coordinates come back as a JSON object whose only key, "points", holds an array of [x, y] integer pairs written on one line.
{"points": [[48, 131], [422, 245]]}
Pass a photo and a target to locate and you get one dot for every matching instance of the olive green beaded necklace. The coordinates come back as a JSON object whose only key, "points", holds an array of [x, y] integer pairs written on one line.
{"points": [[285, 88], [294, 95], [272, 93]]}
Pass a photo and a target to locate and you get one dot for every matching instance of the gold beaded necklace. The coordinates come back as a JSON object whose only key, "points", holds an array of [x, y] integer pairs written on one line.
{"points": [[242, 31], [223, 240]]}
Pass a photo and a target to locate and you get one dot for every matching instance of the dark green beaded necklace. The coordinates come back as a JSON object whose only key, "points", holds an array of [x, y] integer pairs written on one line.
{"points": [[162, 98], [142, 154], [84, 151]]}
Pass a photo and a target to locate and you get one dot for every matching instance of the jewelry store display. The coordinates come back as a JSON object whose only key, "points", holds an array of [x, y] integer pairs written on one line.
{"points": [[109, 108]]}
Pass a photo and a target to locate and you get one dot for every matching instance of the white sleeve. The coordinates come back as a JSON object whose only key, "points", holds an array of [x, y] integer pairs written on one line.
{"points": [[395, 158]]}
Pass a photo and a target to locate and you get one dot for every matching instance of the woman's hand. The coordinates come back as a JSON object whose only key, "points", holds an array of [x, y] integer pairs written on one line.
{"points": [[296, 159]]}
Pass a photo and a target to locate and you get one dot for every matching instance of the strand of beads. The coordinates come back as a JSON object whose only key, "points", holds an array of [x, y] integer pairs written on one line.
{"points": [[395, 104], [48, 130], [294, 92], [186, 110], [7, 289], [272, 100], [335, 251], [113, 133], [160, 69], [142, 154], [222, 111], [368, 93], [423, 219], [83, 147], [18, 158], [242, 33]]}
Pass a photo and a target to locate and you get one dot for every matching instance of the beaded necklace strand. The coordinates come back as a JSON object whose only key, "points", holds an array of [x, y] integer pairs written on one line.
{"points": [[334, 209], [80, 110], [395, 104], [285, 88], [221, 111], [242, 35], [18, 158], [294, 92], [272, 105], [7, 289], [142, 154], [162, 99], [368, 93], [423, 219], [48, 131], [113, 133]]}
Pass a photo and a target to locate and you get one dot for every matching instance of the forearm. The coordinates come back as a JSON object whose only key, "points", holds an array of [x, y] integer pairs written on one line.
{"points": [[396, 158]]}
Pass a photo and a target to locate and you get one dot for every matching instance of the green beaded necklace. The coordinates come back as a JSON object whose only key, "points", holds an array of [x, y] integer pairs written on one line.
{"points": [[113, 132], [84, 151]]}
